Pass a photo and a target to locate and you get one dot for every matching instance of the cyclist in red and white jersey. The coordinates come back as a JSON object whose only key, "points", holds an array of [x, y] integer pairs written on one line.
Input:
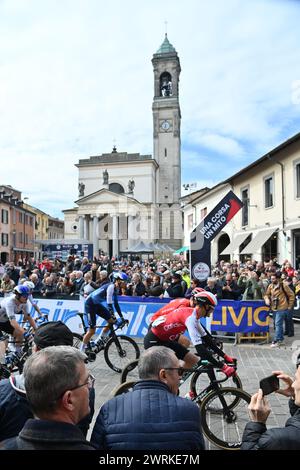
{"points": [[166, 329], [176, 303]]}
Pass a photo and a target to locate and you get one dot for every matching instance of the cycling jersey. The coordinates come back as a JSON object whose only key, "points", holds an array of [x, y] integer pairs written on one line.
{"points": [[105, 293], [170, 307], [169, 327], [31, 300], [9, 309]]}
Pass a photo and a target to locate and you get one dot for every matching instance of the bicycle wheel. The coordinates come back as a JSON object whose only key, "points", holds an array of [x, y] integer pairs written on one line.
{"points": [[77, 340], [221, 424], [123, 388], [117, 358], [200, 381], [130, 372]]}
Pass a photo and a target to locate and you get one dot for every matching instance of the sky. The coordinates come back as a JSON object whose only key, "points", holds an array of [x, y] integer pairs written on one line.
{"points": [[76, 75]]}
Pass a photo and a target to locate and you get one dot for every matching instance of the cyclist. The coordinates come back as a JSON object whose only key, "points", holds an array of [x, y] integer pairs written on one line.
{"points": [[12, 306], [31, 300], [166, 329], [176, 303], [173, 305], [95, 304]]}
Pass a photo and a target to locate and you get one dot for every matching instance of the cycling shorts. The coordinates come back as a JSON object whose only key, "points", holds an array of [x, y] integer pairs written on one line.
{"points": [[92, 310], [152, 340], [7, 327]]}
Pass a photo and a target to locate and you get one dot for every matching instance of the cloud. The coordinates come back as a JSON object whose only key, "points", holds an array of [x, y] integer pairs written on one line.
{"points": [[76, 75]]}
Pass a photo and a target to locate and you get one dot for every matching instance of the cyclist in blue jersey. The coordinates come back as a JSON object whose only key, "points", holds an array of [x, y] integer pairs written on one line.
{"points": [[102, 302]]}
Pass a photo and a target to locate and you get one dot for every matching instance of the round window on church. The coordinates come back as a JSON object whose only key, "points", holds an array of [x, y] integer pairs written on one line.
{"points": [[116, 188]]}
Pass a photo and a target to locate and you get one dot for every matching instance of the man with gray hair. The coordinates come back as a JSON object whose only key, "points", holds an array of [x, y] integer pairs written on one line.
{"points": [[152, 416], [57, 385], [14, 407]]}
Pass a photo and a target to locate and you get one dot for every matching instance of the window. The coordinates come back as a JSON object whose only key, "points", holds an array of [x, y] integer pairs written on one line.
{"points": [[190, 221], [31, 221], [245, 209], [14, 216], [4, 216], [26, 219], [269, 192], [26, 239], [4, 239], [20, 236], [203, 213], [297, 175]]}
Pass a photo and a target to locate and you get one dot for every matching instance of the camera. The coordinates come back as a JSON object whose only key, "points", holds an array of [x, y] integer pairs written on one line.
{"points": [[269, 384]]}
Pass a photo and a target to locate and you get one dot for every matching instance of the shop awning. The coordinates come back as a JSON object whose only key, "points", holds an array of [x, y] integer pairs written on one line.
{"points": [[181, 250], [235, 243], [254, 247]]}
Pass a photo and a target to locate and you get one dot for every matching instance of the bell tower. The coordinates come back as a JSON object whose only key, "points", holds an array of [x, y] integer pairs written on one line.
{"points": [[166, 139]]}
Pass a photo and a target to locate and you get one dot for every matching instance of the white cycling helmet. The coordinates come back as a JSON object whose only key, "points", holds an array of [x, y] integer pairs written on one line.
{"points": [[29, 284], [206, 298]]}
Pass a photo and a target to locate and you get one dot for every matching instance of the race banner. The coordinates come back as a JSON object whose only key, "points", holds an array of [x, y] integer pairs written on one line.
{"points": [[229, 315], [234, 316], [206, 231]]}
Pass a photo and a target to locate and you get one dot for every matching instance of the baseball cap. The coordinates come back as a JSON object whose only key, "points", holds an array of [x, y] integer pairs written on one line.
{"points": [[53, 333]]}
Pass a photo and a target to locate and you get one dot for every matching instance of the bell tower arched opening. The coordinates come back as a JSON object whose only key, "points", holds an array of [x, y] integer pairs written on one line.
{"points": [[165, 84]]}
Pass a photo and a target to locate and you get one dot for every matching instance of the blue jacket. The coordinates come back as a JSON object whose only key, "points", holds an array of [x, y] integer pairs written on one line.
{"points": [[148, 418], [15, 409]]}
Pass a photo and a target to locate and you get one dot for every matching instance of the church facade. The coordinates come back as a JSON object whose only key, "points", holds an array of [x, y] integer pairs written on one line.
{"points": [[124, 198]]}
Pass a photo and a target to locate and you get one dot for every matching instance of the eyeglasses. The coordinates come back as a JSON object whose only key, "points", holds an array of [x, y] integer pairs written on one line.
{"points": [[89, 382], [180, 370]]}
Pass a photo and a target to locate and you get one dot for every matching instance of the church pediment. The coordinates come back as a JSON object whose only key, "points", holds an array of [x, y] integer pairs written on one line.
{"points": [[103, 196]]}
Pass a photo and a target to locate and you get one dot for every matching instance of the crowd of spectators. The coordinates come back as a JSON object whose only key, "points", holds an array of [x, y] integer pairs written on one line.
{"points": [[152, 277]]}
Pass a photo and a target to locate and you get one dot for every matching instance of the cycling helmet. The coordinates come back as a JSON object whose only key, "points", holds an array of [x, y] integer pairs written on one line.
{"points": [[22, 291], [29, 284], [206, 298], [197, 290], [119, 275]]}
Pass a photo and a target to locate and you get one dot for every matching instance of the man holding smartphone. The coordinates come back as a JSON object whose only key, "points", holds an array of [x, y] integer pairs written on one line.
{"points": [[256, 436]]}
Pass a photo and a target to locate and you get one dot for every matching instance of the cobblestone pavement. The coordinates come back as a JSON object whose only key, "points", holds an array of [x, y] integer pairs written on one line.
{"points": [[255, 361]]}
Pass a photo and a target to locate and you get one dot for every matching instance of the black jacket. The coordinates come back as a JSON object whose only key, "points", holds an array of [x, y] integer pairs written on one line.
{"points": [[38, 434], [175, 290], [257, 437], [15, 409]]}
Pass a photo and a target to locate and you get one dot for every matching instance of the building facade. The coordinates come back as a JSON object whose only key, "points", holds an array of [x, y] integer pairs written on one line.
{"points": [[124, 198], [16, 226], [46, 227], [268, 225]]}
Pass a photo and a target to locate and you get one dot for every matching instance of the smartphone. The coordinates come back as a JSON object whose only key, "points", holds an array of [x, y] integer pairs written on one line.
{"points": [[269, 384]]}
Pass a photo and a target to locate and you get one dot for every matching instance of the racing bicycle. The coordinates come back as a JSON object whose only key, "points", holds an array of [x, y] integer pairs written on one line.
{"points": [[119, 350]]}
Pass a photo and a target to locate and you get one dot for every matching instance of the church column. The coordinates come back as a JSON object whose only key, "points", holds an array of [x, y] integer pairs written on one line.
{"points": [[131, 231], [95, 236], [81, 227], [86, 227], [115, 235]]}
